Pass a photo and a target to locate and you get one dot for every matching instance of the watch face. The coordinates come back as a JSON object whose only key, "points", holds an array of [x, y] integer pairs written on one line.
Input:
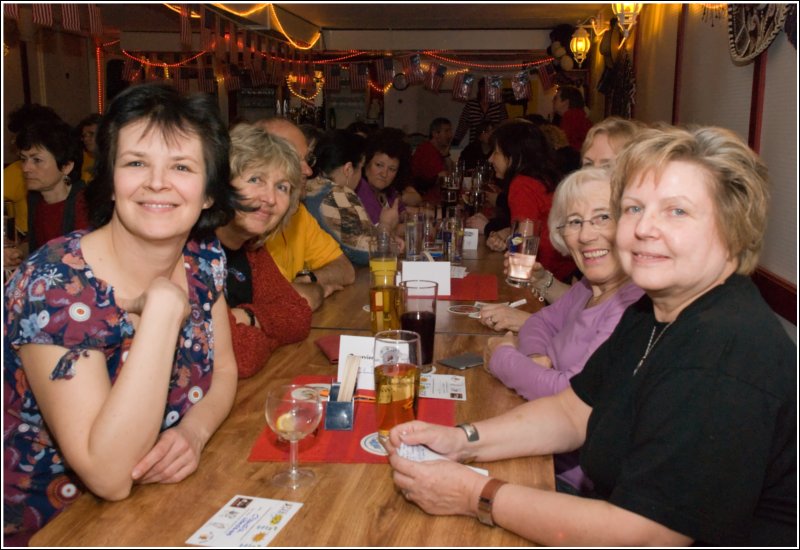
{"points": [[400, 82]]}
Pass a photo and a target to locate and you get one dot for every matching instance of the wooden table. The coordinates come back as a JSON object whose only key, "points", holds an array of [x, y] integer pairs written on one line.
{"points": [[348, 505]]}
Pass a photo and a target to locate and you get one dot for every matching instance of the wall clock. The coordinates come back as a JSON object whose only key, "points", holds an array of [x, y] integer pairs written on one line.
{"points": [[400, 82]]}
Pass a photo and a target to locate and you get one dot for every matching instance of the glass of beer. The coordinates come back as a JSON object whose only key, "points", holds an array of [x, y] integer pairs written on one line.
{"points": [[384, 301], [523, 244], [382, 250], [418, 314], [397, 357]]}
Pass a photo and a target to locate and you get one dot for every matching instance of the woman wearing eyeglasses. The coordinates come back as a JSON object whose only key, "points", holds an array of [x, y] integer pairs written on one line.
{"points": [[555, 343]]}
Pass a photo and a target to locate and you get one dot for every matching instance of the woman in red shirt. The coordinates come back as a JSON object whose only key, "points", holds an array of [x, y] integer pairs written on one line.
{"points": [[525, 164]]}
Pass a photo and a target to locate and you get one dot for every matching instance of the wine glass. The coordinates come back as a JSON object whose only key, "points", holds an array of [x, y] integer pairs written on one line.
{"points": [[293, 411], [397, 358]]}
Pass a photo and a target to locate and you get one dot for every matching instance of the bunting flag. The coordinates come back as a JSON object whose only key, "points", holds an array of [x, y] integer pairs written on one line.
{"points": [[232, 80], [205, 78], [384, 71], [95, 21], [332, 77], [207, 28], [130, 70], [435, 77], [11, 11], [412, 69], [233, 40], [186, 28], [43, 14], [180, 74], [546, 75], [358, 76], [70, 18]]}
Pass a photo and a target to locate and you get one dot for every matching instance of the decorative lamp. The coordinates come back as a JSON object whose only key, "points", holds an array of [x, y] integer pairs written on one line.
{"points": [[580, 44], [626, 14]]}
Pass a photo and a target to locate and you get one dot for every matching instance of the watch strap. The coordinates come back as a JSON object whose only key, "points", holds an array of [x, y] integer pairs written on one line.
{"points": [[471, 431], [486, 500]]}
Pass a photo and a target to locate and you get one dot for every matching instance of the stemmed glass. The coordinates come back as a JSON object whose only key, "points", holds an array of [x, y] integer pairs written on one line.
{"points": [[293, 411]]}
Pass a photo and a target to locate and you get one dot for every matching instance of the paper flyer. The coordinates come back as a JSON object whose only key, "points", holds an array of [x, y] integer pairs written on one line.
{"points": [[245, 521]]}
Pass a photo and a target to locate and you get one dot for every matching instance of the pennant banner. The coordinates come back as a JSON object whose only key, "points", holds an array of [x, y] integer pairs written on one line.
{"points": [[70, 17], [186, 28], [43, 14], [332, 77], [384, 71], [95, 21], [11, 11], [435, 77], [358, 76]]}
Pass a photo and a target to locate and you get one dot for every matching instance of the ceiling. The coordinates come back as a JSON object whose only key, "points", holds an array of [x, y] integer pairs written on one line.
{"points": [[374, 16], [444, 15]]}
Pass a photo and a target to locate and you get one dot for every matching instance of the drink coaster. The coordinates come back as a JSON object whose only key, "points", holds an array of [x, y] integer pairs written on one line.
{"points": [[464, 309], [371, 444]]}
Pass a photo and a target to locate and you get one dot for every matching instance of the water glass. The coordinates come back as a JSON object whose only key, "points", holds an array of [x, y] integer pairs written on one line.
{"points": [[523, 244], [414, 222]]}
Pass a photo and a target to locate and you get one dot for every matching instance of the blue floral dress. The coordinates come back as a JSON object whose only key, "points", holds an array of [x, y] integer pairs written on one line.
{"points": [[54, 298]]}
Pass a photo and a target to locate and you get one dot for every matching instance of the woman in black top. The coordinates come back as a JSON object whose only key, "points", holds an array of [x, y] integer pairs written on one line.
{"points": [[688, 413]]}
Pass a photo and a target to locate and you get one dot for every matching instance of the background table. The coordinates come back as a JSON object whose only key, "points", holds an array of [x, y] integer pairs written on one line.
{"points": [[349, 504]]}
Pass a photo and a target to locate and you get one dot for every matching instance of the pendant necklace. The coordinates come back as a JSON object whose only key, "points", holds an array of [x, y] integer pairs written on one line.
{"points": [[651, 344]]}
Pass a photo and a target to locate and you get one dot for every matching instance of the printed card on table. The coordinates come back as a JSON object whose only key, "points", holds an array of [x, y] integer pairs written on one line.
{"points": [[245, 521], [362, 347], [443, 386], [438, 272], [470, 239]]}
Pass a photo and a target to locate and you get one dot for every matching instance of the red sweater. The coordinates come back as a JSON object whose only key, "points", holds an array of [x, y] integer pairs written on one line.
{"points": [[576, 125], [528, 198], [284, 316]]}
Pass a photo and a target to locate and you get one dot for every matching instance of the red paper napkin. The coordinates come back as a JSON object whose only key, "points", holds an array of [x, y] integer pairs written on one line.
{"points": [[344, 446], [330, 346], [475, 286]]}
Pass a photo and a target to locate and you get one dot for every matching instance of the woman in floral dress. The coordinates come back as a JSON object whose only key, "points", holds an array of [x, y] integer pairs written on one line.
{"points": [[118, 363]]}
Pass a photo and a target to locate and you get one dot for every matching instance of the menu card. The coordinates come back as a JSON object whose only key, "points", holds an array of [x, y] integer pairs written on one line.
{"points": [[362, 347], [443, 386], [245, 521]]}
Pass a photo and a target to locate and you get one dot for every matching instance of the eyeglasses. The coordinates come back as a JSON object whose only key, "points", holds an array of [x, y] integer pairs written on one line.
{"points": [[311, 159], [573, 226]]}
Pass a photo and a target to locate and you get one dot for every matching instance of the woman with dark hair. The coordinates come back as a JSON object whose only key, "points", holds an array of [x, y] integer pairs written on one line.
{"points": [[387, 167], [523, 160], [51, 166], [331, 198], [113, 374]]}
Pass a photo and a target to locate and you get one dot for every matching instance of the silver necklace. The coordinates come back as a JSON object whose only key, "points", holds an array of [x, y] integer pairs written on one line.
{"points": [[651, 344]]}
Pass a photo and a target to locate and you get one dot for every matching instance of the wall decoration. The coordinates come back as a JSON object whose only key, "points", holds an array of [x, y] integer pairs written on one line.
{"points": [[752, 28]]}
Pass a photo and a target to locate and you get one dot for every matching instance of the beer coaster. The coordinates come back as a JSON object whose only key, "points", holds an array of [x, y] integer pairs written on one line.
{"points": [[371, 444], [366, 308], [322, 389], [464, 309]]}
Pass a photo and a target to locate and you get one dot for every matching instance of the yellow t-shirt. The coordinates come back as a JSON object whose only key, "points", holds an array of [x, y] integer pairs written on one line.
{"points": [[302, 241], [14, 190]]}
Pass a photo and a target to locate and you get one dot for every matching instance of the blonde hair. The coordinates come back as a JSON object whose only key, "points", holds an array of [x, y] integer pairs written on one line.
{"points": [[737, 178], [620, 132], [569, 192], [251, 147]]}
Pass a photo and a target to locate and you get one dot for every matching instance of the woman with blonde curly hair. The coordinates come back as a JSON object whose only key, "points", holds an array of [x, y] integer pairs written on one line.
{"points": [[265, 311]]}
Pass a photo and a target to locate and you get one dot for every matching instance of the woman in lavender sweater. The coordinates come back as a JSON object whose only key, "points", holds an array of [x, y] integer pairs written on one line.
{"points": [[555, 343]]}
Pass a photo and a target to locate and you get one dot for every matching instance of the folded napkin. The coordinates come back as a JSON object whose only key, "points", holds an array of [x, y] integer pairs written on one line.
{"points": [[475, 286], [344, 446], [329, 345]]}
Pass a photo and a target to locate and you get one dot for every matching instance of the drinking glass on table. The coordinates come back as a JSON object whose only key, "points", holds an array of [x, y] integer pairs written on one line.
{"points": [[523, 244], [382, 250], [384, 301], [293, 411], [415, 222], [418, 306], [397, 356]]}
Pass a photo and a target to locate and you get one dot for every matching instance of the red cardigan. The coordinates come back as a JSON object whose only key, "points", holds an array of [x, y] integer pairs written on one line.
{"points": [[284, 316], [528, 198]]}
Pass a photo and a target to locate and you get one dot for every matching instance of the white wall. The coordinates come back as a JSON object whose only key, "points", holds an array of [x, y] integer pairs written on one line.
{"points": [[779, 151]]}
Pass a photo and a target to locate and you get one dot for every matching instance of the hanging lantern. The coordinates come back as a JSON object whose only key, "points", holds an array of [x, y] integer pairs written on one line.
{"points": [[580, 44], [626, 14]]}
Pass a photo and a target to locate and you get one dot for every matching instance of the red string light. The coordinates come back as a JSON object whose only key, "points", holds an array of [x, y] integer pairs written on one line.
{"points": [[98, 58], [144, 61], [488, 65], [377, 88]]}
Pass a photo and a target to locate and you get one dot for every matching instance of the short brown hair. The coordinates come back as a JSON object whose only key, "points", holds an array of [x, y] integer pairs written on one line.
{"points": [[737, 176]]}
